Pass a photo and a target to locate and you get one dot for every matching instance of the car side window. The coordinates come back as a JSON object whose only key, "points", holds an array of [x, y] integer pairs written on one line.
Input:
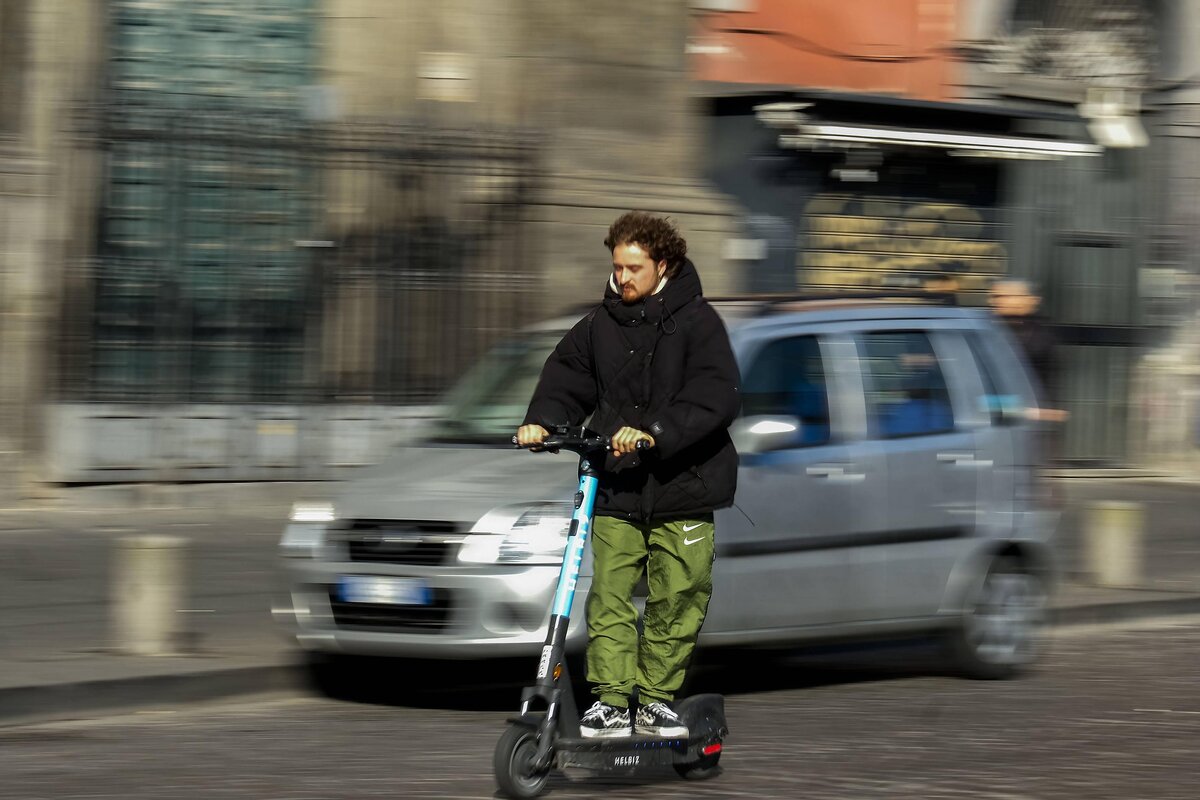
{"points": [[787, 379], [906, 390]]}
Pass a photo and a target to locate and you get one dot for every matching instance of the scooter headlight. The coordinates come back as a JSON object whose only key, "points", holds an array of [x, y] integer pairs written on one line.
{"points": [[534, 534]]}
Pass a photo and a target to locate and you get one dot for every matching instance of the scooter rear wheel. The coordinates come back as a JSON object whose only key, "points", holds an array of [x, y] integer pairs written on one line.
{"points": [[707, 767], [513, 763]]}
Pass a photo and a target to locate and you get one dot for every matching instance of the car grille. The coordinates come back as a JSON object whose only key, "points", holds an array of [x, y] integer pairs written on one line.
{"points": [[374, 617], [418, 543]]}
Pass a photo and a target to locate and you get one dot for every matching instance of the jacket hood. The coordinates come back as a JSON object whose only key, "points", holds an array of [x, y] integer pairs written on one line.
{"points": [[677, 293]]}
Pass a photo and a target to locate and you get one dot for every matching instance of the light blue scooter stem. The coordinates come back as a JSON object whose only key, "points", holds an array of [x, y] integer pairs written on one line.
{"points": [[581, 528]]}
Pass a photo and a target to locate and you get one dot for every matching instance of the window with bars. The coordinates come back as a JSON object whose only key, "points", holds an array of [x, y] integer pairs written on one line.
{"points": [[1097, 42], [207, 191]]}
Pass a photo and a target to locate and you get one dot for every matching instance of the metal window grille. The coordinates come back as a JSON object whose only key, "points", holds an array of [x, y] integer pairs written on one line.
{"points": [[245, 253], [264, 259]]}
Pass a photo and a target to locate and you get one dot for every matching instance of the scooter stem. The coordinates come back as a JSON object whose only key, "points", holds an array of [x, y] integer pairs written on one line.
{"points": [[553, 680]]}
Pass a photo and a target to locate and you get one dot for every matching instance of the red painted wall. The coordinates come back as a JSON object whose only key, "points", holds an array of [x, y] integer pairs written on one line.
{"points": [[881, 46]]}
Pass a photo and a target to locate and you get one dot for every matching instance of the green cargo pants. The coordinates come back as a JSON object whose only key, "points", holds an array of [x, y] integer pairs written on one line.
{"points": [[677, 558]]}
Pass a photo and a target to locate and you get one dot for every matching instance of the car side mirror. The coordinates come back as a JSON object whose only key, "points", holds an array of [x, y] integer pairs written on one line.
{"points": [[764, 433]]}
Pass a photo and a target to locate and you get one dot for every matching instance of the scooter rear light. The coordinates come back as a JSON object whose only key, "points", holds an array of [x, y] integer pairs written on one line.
{"points": [[710, 749]]}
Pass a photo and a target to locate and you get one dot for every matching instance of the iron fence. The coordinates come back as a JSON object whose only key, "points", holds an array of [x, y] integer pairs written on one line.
{"points": [[268, 259]]}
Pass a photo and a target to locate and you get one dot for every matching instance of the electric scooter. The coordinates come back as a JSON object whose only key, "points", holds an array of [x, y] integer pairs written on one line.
{"points": [[545, 735]]}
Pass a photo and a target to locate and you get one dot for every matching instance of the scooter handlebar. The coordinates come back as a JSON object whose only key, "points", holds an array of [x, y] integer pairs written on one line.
{"points": [[578, 443]]}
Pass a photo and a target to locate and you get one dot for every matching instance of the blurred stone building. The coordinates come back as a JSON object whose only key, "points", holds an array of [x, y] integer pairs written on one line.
{"points": [[880, 144], [245, 239]]}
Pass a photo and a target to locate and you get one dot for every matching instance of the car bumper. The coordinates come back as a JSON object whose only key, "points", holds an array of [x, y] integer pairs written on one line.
{"points": [[484, 612]]}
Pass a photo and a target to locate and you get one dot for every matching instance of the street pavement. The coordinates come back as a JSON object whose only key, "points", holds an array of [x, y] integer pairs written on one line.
{"points": [[56, 656], [1111, 714]]}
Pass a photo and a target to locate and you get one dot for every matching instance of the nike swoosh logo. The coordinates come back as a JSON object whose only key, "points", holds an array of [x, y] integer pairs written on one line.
{"points": [[687, 528], [693, 541]]}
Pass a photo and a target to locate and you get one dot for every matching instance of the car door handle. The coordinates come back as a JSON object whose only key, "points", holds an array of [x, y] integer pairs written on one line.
{"points": [[963, 460], [835, 473]]}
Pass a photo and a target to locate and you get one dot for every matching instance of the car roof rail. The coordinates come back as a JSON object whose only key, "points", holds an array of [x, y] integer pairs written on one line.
{"points": [[774, 302], [766, 303]]}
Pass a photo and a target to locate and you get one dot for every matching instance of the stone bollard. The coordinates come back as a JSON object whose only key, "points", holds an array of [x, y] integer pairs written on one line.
{"points": [[1113, 543], [147, 593]]}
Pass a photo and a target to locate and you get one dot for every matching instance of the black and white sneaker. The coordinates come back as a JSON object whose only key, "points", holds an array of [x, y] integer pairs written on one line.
{"points": [[657, 719], [603, 721]]}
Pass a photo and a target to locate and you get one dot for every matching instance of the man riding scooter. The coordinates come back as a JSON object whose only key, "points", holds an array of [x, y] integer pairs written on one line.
{"points": [[651, 363]]}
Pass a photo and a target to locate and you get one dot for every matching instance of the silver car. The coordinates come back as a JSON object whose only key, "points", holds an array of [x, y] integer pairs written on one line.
{"points": [[887, 486]]}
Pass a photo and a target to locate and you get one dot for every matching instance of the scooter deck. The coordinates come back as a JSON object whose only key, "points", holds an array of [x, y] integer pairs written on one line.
{"points": [[624, 755], [635, 742]]}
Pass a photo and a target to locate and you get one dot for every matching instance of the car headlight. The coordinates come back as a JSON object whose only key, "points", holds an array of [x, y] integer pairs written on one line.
{"points": [[311, 512], [528, 534], [306, 529]]}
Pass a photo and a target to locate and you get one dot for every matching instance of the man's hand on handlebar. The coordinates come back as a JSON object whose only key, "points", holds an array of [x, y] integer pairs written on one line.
{"points": [[531, 435], [623, 442], [626, 440]]}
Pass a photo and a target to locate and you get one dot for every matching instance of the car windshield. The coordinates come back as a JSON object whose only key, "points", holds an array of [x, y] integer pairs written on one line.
{"points": [[488, 404]]}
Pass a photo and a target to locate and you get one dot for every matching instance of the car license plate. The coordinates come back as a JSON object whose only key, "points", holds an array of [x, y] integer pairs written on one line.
{"points": [[384, 591]]}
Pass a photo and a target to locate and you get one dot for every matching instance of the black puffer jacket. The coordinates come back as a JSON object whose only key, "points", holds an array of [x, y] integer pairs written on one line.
{"points": [[663, 366]]}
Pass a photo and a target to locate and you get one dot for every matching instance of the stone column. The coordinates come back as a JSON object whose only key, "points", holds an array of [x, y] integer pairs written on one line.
{"points": [[21, 212]]}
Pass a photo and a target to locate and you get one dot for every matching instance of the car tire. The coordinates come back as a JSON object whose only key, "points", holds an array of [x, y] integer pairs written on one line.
{"points": [[1002, 628]]}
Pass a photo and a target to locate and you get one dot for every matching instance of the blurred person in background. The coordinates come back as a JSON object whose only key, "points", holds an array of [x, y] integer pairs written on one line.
{"points": [[1017, 303], [651, 363]]}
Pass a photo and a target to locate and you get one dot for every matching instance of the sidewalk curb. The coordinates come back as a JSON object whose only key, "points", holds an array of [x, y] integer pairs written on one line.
{"points": [[28, 704], [25, 704], [116, 498], [1125, 611]]}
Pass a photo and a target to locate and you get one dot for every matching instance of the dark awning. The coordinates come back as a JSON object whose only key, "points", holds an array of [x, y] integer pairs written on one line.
{"points": [[827, 120], [801, 130]]}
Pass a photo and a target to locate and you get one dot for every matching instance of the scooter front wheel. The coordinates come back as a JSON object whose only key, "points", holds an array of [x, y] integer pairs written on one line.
{"points": [[513, 764]]}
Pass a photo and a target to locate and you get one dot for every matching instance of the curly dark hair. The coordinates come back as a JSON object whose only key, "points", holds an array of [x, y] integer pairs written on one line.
{"points": [[658, 236]]}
